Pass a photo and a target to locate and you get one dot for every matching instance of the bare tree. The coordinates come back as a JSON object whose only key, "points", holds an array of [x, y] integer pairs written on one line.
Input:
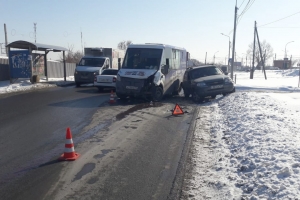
{"points": [[124, 44], [195, 62], [71, 55], [295, 62], [266, 49]]}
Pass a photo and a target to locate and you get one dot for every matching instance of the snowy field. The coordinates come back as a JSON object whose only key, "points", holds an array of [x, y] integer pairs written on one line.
{"points": [[250, 147]]}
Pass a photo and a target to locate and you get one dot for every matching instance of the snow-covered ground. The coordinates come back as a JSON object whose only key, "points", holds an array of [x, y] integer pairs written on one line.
{"points": [[23, 84], [250, 147]]}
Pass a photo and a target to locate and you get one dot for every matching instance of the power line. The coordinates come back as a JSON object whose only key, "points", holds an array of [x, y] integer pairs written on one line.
{"points": [[282, 27], [242, 3], [246, 8], [279, 19]]}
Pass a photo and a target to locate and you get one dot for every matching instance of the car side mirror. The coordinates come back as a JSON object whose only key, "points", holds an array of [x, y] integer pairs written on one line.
{"points": [[226, 73]]}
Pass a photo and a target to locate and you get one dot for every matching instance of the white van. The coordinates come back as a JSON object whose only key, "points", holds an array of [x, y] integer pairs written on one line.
{"points": [[151, 71]]}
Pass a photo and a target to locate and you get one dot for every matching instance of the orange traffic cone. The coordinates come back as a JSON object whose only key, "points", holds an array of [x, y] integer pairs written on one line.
{"points": [[112, 97], [69, 153]]}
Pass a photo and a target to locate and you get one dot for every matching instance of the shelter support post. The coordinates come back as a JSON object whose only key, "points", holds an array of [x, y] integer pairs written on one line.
{"points": [[9, 71], [46, 68], [31, 64], [65, 71]]}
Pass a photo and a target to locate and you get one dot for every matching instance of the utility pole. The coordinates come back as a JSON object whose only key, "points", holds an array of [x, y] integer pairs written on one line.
{"points": [[35, 32], [6, 42], [264, 59], [275, 56], [261, 56], [81, 43], [233, 43], [205, 57], [253, 58]]}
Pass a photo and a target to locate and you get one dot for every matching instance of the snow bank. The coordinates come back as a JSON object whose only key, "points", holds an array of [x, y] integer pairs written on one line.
{"points": [[252, 148]]}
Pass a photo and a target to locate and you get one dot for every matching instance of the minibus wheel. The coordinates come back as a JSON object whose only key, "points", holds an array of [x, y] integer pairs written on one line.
{"points": [[157, 94]]}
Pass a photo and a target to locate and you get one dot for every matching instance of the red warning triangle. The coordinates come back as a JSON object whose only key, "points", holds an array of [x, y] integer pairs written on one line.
{"points": [[177, 110]]}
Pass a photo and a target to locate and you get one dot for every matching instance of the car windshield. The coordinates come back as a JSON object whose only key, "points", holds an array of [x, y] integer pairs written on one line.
{"points": [[92, 62], [139, 58], [205, 71], [109, 72]]}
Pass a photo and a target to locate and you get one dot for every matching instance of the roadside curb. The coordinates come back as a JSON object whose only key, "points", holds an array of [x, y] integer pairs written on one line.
{"points": [[60, 83], [176, 189]]}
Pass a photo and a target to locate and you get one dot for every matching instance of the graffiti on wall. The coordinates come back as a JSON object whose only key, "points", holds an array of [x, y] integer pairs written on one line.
{"points": [[19, 63]]}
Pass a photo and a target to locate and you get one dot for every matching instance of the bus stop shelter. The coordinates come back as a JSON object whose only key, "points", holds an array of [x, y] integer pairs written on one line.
{"points": [[25, 45]]}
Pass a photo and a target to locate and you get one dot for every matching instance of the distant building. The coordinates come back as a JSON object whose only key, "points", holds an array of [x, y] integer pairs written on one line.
{"points": [[283, 64]]}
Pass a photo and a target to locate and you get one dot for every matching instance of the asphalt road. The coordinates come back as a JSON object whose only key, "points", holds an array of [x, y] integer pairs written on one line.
{"points": [[131, 150]]}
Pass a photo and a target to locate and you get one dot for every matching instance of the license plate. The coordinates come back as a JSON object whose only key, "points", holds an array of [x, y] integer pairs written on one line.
{"points": [[216, 86], [131, 87], [104, 80]]}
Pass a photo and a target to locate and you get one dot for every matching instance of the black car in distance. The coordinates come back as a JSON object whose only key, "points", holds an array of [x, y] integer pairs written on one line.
{"points": [[204, 81]]}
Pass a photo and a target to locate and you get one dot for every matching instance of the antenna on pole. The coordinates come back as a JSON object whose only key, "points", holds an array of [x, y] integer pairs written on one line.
{"points": [[34, 32], [81, 42]]}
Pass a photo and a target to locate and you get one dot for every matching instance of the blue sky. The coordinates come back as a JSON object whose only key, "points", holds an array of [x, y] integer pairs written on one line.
{"points": [[193, 24]]}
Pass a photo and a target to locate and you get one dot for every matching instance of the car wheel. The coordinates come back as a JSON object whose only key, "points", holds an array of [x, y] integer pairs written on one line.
{"points": [[233, 90], [196, 98], [186, 93], [213, 96], [100, 89], [224, 94], [77, 84], [157, 94], [122, 96]]}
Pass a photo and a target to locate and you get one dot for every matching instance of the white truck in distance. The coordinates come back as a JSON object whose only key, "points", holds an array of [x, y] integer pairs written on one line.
{"points": [[94, 61]]}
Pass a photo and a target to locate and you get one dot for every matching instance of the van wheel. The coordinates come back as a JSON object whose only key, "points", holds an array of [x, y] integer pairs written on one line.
{"points": [[77, 84], [157, 94], [176, 92]]}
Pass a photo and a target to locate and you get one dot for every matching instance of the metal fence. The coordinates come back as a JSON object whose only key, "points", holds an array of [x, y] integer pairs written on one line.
{"points": [[55, 69]]}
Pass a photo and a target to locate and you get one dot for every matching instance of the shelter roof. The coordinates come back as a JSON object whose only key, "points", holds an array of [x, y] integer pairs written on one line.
{"points": [[20, 44]]}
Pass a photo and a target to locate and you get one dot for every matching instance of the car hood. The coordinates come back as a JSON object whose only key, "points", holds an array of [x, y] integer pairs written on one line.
{"points": [[210, 78], [87, 69], [136, 73]]}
